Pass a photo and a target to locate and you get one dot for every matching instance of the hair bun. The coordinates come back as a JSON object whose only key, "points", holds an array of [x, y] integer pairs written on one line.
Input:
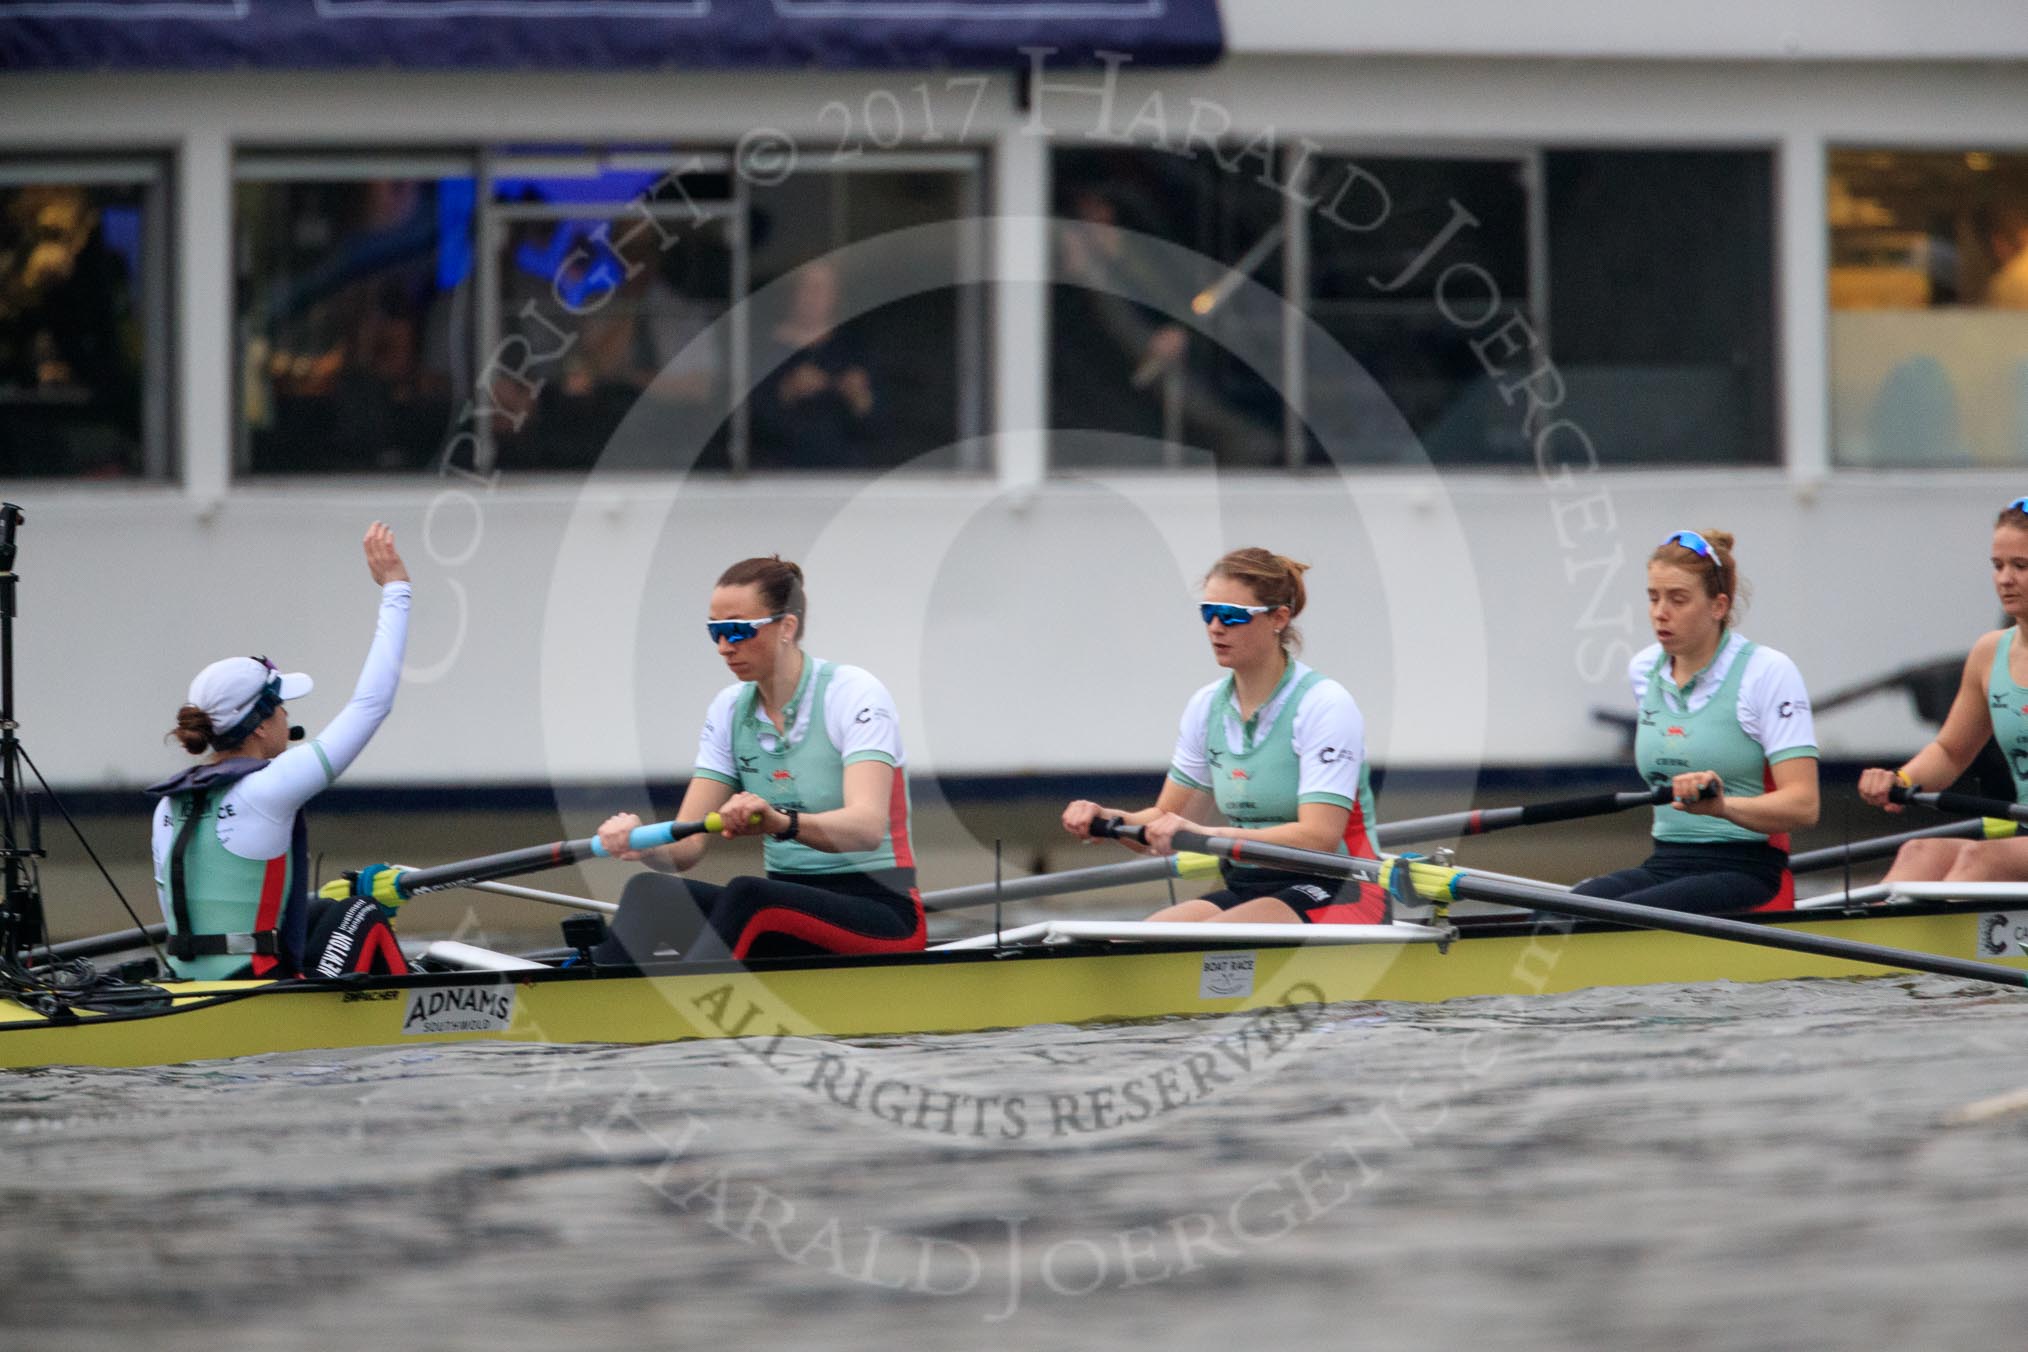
{"points": [[193, 730], [1720, 539]]}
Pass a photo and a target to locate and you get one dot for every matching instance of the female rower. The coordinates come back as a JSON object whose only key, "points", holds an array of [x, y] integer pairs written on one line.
{"points": [[1992, 701], [1722, 715], [231, 862], [1277, 748], [806, 753]]}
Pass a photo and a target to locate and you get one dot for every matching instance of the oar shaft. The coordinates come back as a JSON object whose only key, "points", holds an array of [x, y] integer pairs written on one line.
{"points": [[486, 867], [1479, 822], [535, 858], [1881, 846], [1615, 912], [1185, 865]]}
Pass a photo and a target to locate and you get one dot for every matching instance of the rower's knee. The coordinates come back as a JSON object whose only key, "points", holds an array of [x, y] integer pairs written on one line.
{"points": [[1927, 859], [1981, 862], [645, 889]]}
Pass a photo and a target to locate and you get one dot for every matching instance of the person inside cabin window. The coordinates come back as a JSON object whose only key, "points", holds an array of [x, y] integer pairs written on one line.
{"points": [[815, 410]]}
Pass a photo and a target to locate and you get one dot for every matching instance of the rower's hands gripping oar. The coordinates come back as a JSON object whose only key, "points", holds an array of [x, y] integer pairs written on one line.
{"points": [[1965, 804], [1699, 791], [406, 883], [622, 836], [1158, 837]]}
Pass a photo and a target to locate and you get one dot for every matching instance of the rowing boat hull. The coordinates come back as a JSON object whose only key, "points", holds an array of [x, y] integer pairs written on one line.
{"points": [[942, 992]]}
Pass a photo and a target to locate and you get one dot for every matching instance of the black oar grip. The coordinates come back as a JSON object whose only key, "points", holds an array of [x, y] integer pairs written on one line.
{"points": [[1116, 828], [1965, 803], [1570, 809]]}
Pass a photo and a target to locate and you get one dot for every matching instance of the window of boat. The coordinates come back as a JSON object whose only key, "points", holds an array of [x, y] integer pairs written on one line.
{"points": [[1444, 308], [1928, 292], [83, 320]]}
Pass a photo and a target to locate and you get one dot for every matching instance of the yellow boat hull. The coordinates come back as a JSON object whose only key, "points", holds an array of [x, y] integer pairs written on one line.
{"points": [[928, 993]]}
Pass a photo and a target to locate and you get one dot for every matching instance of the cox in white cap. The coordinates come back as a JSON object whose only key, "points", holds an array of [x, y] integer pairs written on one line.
{"points": [[238, 693]]}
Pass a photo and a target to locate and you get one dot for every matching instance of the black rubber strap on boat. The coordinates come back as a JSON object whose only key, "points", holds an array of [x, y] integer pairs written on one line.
{"points": [[259, 943], [183, 944]]}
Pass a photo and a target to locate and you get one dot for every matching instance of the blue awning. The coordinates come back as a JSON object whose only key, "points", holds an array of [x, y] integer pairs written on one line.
{"points": [[598, 34]]}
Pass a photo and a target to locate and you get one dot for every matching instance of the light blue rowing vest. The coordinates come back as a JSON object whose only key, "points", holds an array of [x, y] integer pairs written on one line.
{"points": [[1670, 742], [1261, 786], [2007, 705], [809, 776]]}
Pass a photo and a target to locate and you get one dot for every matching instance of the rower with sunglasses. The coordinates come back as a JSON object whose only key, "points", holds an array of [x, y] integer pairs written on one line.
{"points": [[1277, 748], [1726, 722], [805, 753], [230, 849], [1992, 701]]}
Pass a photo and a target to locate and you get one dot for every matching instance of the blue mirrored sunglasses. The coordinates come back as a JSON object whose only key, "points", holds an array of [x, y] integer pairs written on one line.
{"points": [[1230, 616], [736, 631], [2017, 505], [1693, 542]]}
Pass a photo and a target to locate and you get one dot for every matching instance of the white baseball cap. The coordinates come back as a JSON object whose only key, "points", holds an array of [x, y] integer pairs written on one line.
{"points": [[239, 692]]}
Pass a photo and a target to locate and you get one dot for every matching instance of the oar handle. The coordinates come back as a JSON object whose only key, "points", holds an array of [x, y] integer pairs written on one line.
{"points": [[1116, 828], [658, 834], [1969, 805], [1479, 821], [535, 858]]}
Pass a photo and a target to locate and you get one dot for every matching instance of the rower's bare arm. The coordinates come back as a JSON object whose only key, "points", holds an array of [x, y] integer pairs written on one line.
{"points": [[859, 825], [1318, 826], [1965, 729], [1791, 805]]}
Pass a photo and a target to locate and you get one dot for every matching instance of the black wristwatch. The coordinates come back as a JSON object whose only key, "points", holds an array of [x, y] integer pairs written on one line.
{"points": [[795, 825]]}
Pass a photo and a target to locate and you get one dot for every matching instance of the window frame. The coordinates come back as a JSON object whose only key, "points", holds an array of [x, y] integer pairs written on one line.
{"points": [[158, 289]]}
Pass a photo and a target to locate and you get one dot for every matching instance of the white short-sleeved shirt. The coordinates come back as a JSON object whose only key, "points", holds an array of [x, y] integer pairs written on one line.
{"points": [[1774, 706], [1328, 732], [859, 717]]}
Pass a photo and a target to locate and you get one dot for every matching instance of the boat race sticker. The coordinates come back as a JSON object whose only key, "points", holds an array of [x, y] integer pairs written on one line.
{"points": [[1226, 976], [459, 1009], [2001, 934]]}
